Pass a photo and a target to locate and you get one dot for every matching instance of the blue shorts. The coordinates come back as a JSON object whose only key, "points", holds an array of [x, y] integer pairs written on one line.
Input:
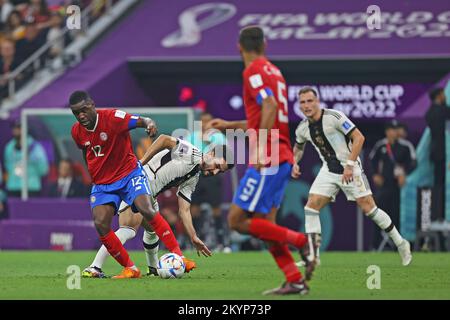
{"points": [[260, 191], [125, 189]]}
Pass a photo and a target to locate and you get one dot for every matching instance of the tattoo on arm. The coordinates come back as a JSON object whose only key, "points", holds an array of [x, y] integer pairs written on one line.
{"points": [[299, 149]]}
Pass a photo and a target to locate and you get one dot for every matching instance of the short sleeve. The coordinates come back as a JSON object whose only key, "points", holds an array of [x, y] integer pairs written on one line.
{"points": [[258, 85], [182, 148], [123, 121], [187, 188], [300, 137], [343, 123]]}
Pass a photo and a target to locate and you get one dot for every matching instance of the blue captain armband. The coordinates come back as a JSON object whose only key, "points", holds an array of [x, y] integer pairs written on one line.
{"points": [[133, 122], [263, 94]]}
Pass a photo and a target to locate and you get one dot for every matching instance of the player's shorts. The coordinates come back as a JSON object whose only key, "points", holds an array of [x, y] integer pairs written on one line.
{"points": [[126, 189], [124, 206], [260, 191], [328, 184]]}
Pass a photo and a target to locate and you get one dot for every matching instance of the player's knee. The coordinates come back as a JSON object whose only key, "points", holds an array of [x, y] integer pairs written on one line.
{"points": [[232, 222], [314, 203], [148, 212], [235, 222], [366, 204], [102, 226]]}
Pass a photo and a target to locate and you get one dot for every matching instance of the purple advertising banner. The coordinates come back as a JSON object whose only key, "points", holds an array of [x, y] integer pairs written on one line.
{"points": [[205, 30], [361, 101], [296, 28]]}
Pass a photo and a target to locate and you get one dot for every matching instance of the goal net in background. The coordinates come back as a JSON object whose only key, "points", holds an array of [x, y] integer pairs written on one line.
{"points": [[52, 129]]}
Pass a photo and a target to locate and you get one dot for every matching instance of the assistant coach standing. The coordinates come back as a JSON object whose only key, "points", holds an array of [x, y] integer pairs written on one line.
{"points": [[436, 118]]}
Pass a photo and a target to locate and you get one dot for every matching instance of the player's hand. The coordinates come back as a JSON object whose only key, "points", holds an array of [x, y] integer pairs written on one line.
{"points": [[378, 180], [151, 129], [401, 180], [347, 177], [218, 124], [295, 172], [201, 247]]}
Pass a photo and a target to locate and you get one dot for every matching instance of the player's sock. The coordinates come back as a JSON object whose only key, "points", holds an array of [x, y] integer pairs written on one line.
{"points": [[151, 246], [383, 220], [313, 230], [266, 230], [312, 221], [116, 249], [165, 234], [124, 234], [285, 262]]}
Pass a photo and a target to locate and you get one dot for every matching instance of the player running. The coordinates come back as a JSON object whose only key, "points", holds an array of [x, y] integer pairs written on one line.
{"points": [[169, 162], [261, 189], [116, 174], [339, 143]]}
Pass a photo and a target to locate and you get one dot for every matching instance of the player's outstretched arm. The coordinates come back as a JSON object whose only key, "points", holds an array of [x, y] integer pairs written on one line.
{"points": [[149, 125], [163, 142], [222, 125], [184, 211]]}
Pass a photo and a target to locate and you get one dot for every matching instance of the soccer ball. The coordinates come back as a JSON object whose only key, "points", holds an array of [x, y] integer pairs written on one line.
{"points": [[170, 266]]}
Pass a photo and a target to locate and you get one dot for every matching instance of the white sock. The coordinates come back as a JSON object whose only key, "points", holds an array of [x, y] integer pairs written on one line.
{"points": [[151, 246], [383, 220], [312, 221], [124, 234]]}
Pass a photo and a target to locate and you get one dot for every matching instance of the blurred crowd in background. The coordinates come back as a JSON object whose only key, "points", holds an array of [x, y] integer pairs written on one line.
{"points": [[26, 25]]}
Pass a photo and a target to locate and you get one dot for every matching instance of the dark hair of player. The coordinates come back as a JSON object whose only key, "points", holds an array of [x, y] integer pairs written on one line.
{"points": [[226, 153], [251, 39], [306, 90], [434, 93], [78, 96]]}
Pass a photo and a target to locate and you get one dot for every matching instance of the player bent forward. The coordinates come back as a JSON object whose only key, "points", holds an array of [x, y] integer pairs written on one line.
{"points": [[338, 142], [169, 162]]}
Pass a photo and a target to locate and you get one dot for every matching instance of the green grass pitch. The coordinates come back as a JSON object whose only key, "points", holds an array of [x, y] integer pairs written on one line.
{"points": [[244, 275]]}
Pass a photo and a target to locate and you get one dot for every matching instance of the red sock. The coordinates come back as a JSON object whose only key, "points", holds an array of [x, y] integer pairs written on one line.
{"points": [[266, 230], [165, 234], [116, 249], [285, 262]]}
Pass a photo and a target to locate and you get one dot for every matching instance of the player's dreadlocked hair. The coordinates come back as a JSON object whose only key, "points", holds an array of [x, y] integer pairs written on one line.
{"points": [[251, 39], [78, 96]]}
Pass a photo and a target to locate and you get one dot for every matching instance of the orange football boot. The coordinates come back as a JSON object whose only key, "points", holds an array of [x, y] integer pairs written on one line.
{"points": [[190, 264], [128, 273]]}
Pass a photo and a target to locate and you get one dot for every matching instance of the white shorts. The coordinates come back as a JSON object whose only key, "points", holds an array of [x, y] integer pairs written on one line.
{"points": [[124, 206], [328, 184]]}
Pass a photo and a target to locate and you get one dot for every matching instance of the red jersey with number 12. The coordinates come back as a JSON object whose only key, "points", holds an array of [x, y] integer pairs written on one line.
{"points": [[109, 152], [262, 78]]}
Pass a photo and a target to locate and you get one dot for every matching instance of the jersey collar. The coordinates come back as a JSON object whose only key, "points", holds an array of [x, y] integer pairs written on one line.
{"points": [[96, 122], [320, 119]]}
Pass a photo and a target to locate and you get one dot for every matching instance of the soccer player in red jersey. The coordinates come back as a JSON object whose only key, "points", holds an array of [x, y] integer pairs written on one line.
{"points": [[261, 189], [116, 174]]}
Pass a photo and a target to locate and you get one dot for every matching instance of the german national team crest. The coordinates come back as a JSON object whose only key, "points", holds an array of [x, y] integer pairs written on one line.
{"points": [[103, 136]]}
